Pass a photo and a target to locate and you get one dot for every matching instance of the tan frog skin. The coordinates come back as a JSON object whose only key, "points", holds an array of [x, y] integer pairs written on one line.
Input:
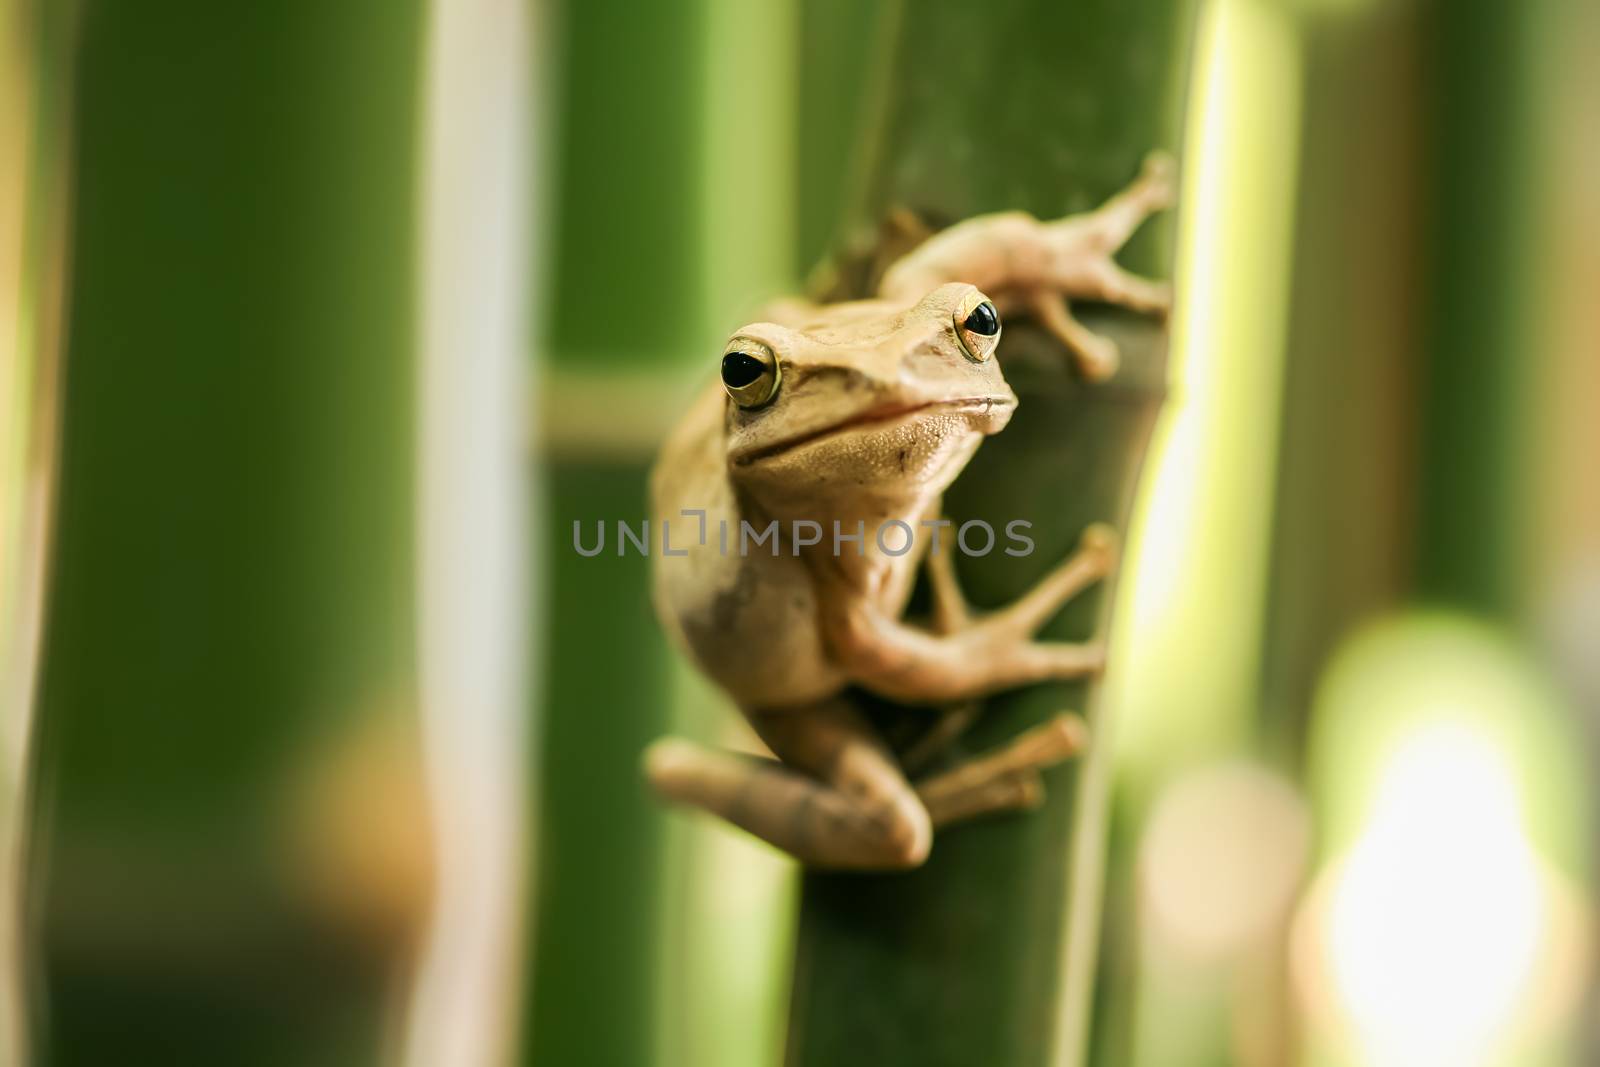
{"points": [[864, 413]]}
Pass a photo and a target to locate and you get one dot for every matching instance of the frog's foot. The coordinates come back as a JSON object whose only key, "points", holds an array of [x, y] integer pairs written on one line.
{"points": [[990, 654], [1081, 248], [1020, 791], [1096, 357], [1095, 559], [950, 724], [952, 617], [1006, 779], [1005, 638], [1155, 189]]}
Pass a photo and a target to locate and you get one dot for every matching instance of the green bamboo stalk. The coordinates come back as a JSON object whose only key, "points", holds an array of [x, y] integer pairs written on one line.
{"points": [[232, 565], [728, 908], [986, 954], [624, 305], [1407, 403], [1479, 229], [1353, 378]]}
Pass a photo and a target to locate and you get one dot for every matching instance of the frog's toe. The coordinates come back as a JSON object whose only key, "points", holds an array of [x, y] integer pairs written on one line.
{"points": [[1063, 661], [1100, 541], [1160, 176]]}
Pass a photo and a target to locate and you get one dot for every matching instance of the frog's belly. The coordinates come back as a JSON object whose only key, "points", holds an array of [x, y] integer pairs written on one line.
{"points": [[755, 633], [747, 617]]}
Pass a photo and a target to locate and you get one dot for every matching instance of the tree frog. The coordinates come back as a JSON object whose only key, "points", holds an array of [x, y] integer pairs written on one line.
{"points": [[834, 430]]}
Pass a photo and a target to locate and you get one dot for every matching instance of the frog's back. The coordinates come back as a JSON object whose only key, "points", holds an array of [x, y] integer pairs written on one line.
{"points": [[748, 618]]}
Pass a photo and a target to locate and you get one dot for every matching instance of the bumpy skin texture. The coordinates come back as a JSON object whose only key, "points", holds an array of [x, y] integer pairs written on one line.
{"points": [[878, 407]]}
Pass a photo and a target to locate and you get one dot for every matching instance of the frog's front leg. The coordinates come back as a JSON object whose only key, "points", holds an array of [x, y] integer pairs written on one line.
{"points": [[1042, 266], [989, 654], [1005, 779], [836, 797]]}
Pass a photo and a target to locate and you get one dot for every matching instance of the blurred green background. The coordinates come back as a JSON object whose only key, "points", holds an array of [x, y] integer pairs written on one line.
{"points": [[299, 303]]}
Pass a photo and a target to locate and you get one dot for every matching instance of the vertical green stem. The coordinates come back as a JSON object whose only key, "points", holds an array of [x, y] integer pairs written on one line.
{"points": [[1352, 384], [232, 565], [1049, 108], [623, 301], [1479, 232]]}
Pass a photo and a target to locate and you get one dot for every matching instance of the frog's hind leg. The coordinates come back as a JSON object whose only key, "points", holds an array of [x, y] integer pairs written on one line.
{"points": [[1006, 778], [948, 725], [1019, 791], [838, 799]]}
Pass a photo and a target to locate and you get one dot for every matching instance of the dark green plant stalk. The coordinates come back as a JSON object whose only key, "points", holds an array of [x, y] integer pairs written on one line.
{"points": [[1478, 243], [624, 299], [1351, 384], [231, 580], [986, 955]]}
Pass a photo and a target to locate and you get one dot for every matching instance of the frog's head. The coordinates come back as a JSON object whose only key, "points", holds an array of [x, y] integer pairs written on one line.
{"points": [[864, 401]]}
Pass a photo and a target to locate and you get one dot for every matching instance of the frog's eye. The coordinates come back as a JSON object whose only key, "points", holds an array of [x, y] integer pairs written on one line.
{"points": [[750, 372], [978, 325]]}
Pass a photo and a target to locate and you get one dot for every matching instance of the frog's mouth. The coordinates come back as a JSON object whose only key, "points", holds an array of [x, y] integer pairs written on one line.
{"points": [[987, 414]]}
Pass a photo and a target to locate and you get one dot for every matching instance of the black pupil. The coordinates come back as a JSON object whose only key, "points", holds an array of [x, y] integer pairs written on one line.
{"points": [[983, 320], [740, 369]]}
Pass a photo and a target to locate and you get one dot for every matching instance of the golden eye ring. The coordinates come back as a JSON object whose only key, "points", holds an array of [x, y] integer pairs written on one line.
{"points": [[750, 372], [977, 325]]}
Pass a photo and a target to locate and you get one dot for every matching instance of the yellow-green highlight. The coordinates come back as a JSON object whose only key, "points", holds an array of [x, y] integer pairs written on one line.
{"points": [[1197, 565]]}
